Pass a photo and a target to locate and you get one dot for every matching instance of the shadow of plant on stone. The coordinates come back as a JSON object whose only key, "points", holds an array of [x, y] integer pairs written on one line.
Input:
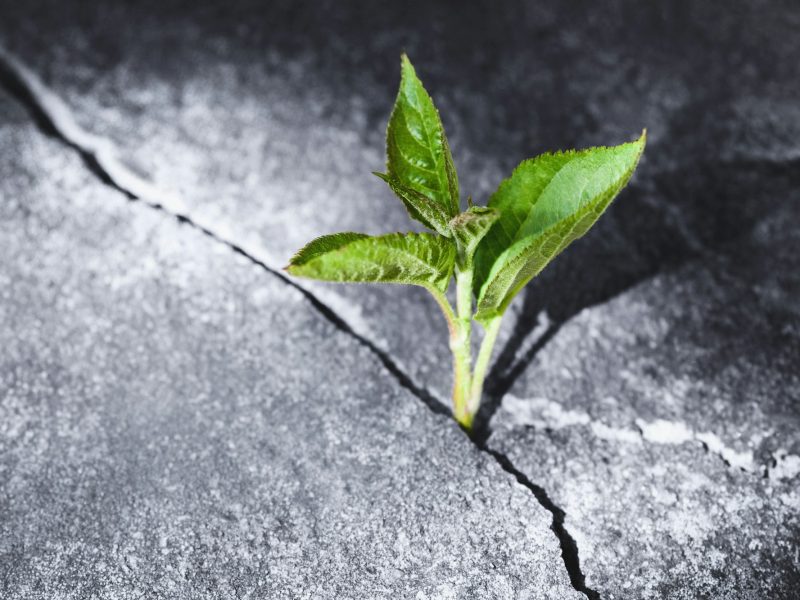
{"points": [[671, 216]]}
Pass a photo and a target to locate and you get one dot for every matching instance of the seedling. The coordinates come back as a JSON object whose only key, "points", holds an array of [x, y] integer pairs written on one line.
{"points": [[492, 251]]}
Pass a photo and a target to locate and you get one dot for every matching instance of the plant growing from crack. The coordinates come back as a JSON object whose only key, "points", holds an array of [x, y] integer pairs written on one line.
{"points": [[492, 251]]}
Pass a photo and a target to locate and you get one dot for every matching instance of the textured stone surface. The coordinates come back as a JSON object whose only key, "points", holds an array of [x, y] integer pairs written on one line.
{"points": [[268, 120], [177, 423], [656, 521], [262, 122], [632, 413]]}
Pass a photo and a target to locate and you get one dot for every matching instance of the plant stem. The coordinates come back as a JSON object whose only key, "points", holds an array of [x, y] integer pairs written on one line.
{"points": [[444, 304], [461, 346], [490, 331], [467, 384]]}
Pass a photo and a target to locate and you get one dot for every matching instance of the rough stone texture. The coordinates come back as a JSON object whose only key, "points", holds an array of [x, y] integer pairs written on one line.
{"points": [[630, 414], [715, 345], [176, 422], [268, 120], [262, 123], [664, 522]]}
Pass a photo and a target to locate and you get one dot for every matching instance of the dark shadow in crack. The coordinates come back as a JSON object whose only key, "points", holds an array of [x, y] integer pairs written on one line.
{"points": [[500, 381], [11, 79], [11, 82], [569, 549], [568, 546]]}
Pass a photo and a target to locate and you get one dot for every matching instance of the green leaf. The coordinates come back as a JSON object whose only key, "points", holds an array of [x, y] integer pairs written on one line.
{"points": [[414, 258], [470, 227], [452, 176], [546, 204], [417, 154], [420, 207]]}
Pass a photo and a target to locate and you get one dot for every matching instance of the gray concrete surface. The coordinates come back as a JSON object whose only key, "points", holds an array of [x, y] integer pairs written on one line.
{"points": [[264, 123], [666, 424], [175, 420]]}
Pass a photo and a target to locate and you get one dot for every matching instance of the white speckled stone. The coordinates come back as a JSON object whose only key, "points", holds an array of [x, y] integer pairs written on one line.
{"points": [[265, 120], [176, 422], [666, 423]]}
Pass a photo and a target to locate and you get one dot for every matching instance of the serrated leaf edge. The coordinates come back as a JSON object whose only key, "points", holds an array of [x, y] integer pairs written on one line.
{"points": [[418, 205], [451, 185], [443, 281], [500, 264]]}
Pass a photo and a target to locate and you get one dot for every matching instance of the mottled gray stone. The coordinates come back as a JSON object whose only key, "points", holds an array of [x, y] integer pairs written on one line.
{"points": [[656, 522], [267, 120], [666, 423], [715, 345], [176, 422]]}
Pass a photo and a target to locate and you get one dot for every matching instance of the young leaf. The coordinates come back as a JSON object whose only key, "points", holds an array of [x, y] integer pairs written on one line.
{"points": [[470, 227], [547, 203], [450, 171], [420, 207], [417, 153], [414, 258]]}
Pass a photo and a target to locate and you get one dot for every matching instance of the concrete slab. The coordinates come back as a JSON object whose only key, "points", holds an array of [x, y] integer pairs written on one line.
{"points": [[175, 422], [665, 424], [262, 123]]}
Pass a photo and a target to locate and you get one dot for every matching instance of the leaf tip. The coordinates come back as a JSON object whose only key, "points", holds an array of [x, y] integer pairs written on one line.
{"points": [[406, 68], [639, 144]]}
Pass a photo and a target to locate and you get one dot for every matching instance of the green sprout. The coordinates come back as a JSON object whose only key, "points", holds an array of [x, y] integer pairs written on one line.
{"points": [[492, 251]]}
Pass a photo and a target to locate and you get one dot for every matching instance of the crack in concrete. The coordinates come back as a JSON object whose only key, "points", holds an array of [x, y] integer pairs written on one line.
{"points": [[569, 548], [498, 386], [514, 359], [55, 117], [544, 414], [100, 155]]}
